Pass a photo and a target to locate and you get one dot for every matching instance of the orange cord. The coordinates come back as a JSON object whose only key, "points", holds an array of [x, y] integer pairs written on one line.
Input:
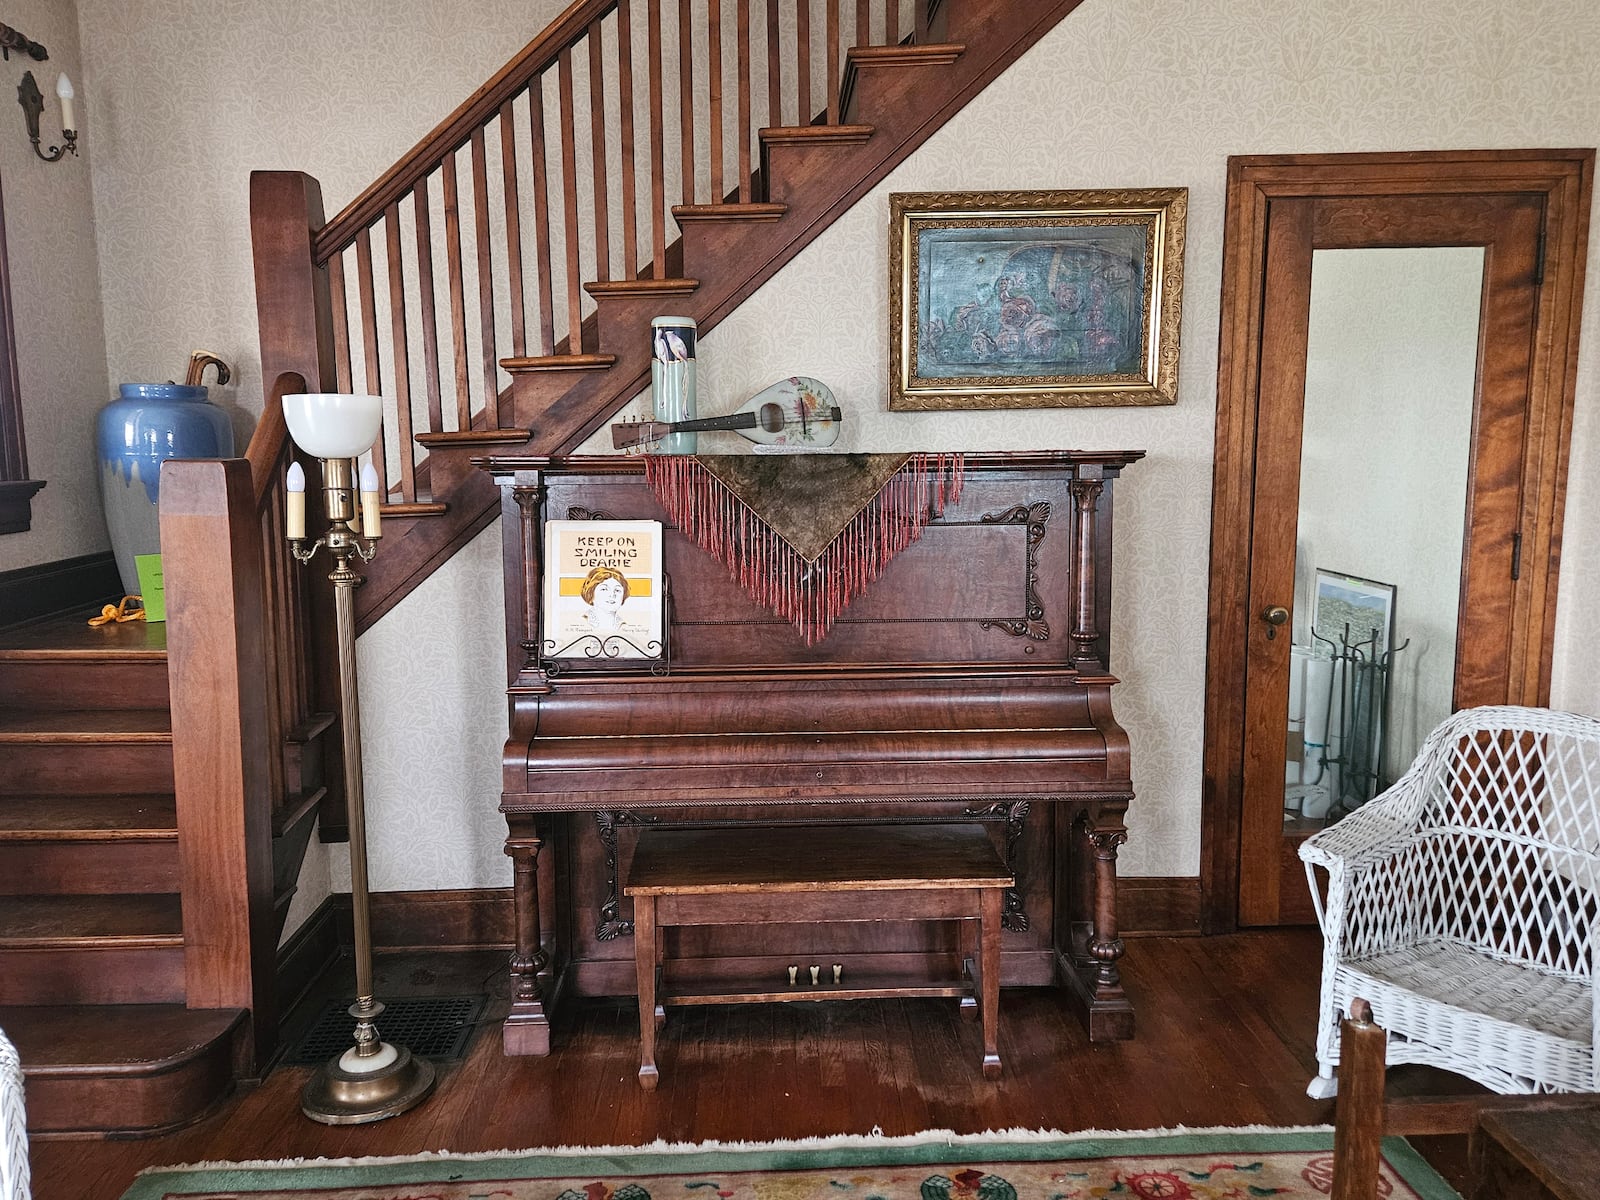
{"points": [[120, 612]]}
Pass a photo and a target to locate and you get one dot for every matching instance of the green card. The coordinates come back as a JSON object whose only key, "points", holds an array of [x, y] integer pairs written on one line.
{"points": [[152, 586]]}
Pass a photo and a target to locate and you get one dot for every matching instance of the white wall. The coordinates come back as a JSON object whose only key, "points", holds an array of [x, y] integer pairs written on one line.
{"points": [[1126, 93], [55, 287]]}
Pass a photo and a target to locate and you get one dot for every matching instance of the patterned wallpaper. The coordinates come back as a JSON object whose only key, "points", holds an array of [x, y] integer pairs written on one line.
{"points": [[190, 95], [55, 287]]}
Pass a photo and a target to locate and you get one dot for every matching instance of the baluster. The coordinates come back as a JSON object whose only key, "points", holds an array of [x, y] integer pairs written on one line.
{"points": [[686, 96], [630, 220], [458, 301], [802, 25], [341, 321], [569, 188], [658, 175], [541, 216], [402, 357], [833, 61], [919, 19], [430, 317], [508, 175], [863, 22], [486, 343], [744, 101], [719, 188], [891, 22], [369, 340], [774, 69], [597, 130]]}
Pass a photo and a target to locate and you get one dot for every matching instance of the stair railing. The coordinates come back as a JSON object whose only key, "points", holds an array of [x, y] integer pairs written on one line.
{"points": [[558, 181], [246, 715]]}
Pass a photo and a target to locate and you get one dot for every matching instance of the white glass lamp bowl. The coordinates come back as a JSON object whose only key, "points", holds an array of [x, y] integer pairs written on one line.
{"points": [[333, 424]]}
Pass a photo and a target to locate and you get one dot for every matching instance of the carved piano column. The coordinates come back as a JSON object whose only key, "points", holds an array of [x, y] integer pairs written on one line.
{"points": [[528, 494], [1086, 491], [527, 1029]]}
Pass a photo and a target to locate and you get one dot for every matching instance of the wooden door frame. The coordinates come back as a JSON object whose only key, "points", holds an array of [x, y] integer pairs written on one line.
{"points": [[1564, 179]]}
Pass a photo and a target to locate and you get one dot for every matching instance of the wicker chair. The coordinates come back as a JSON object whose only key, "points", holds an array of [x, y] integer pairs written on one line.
{"points": [[13, 1126], [1462, 903]]}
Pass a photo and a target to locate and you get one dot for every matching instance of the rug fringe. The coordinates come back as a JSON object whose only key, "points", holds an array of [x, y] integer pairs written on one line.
{"points": [[659, 1146]]}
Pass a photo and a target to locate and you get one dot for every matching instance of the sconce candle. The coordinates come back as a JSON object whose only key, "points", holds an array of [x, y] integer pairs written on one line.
{"points": [[66, 95], [295, 487], [370, 516]]}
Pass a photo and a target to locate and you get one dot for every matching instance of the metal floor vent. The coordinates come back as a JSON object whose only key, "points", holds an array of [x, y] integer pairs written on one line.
{"points": [[436, 1027]]}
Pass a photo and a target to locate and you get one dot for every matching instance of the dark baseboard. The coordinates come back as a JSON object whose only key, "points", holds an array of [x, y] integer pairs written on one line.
{"points": [[467, 919], [1159, 906], [309, 951], [482, 918], [85, 582]]}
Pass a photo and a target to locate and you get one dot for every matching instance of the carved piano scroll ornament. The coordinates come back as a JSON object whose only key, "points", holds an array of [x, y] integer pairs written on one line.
{"points": [[1032, 624], [611, 924], [1014, 916]]}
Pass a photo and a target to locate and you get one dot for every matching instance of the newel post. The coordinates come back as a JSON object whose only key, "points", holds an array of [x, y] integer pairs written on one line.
{"points": [[222, 747], [294, 311]]}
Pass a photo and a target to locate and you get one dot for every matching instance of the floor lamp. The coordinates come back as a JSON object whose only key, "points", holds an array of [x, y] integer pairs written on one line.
{"points": [[373, 1079]]}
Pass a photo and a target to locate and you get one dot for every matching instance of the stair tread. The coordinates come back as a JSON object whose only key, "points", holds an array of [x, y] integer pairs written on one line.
{"points": [[754, 211], [87, 818], [115, 1038], [86, 725], [35, 922], [816, 133], [558, 362], [640, 287], [72, 637], [473, 437], [936, 53]]}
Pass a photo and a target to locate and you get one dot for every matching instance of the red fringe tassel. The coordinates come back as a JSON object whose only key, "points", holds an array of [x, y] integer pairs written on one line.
{"points": [[808, 595]]}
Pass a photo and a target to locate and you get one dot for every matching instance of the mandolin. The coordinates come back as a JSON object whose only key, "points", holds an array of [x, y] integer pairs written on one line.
{"points": [[797, 411]]}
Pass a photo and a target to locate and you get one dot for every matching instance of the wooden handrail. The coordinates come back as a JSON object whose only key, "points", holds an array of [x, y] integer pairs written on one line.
{"points": [[454, 131], [272, 432]]}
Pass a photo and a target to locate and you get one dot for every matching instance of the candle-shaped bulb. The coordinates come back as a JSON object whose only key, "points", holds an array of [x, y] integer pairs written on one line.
{"points": [[66, 95], [369, 502], [295, 487]]}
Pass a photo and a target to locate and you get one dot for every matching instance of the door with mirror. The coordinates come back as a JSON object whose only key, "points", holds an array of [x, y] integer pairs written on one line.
{"points": [[1396, 467]]}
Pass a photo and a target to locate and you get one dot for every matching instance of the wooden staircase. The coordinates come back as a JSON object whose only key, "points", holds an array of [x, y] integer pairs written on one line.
{"points": [[92, 972], [416, 288]]}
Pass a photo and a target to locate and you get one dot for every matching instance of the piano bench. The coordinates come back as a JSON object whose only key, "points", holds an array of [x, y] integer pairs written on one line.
{"points": [[747, 875]]}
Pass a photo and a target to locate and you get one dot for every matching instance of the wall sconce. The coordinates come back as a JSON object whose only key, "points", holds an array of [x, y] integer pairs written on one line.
{"points": [[32, 101]]}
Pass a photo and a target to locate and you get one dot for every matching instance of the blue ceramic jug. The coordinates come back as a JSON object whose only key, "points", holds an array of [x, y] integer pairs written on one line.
{"points": [[148, 424]]}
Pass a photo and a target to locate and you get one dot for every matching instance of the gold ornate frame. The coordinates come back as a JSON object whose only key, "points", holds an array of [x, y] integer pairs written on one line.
{"points": [[1161, 211]]}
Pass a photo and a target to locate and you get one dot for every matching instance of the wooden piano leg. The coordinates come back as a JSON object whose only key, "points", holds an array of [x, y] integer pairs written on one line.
{"points": [[527, 1029], [1096, 986], [991, 904], [644, 950]]}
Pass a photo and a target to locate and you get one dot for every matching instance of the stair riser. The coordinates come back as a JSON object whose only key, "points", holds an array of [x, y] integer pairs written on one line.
{"points": [[142, 1105], [88, 868], [146, 975], [878, 89], [86, 769], [85, 685], [793, 169]]}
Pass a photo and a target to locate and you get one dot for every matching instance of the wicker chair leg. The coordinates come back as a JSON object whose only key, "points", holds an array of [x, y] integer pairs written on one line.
{"points": [[1324, 1084]]}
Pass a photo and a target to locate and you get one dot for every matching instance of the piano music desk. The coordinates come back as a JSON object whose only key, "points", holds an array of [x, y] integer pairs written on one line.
{"points": [[747, 876]]}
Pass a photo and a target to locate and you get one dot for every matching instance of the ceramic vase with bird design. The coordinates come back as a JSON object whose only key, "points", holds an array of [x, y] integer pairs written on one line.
{"points": [[672, 379]]}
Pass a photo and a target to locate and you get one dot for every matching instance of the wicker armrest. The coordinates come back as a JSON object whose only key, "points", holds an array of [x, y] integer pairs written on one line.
{"points": [[1377, 830]]}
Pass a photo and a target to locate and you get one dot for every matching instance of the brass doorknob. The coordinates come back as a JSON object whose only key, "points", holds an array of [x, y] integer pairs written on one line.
{"points": [[1274, 616]]}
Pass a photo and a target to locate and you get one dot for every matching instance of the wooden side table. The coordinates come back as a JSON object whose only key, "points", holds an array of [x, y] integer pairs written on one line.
{"points": [[754, 874]]}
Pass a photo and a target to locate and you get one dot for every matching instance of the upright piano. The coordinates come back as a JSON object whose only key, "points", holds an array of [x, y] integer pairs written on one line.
{"points": [[971, 681]]}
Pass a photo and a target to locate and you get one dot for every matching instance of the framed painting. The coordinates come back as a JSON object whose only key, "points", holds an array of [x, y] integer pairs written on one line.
{"points": [[1034, 299], [1348, 607], [602, 590]]}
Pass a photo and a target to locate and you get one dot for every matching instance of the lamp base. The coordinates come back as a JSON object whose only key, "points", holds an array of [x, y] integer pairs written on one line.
{"points": [[335, 1096]]}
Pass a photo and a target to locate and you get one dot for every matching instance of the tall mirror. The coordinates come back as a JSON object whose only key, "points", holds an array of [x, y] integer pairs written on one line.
{"points": [[1391, 363]]}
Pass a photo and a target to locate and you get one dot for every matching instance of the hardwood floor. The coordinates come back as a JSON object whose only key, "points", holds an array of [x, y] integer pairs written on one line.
{"points": [[1225, 1028]]}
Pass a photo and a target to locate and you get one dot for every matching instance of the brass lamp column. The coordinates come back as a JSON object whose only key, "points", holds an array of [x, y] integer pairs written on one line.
{"points": [[373, 1079]]}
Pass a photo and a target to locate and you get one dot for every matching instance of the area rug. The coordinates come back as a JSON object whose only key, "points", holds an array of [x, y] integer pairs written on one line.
{"points": [[1196, 1164]]}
